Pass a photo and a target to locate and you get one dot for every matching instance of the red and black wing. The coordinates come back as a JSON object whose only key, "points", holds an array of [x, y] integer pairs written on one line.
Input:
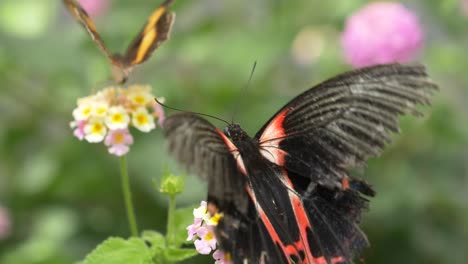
{"points": [[153, 34], [322, 133], [341, 122]]}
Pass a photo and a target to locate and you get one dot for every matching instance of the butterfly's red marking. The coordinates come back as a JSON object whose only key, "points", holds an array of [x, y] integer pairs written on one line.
{"points": [[303, 223], [212, 208], [286, 249], [302, 220], [344, 183], [271, 138], [234, 151]]}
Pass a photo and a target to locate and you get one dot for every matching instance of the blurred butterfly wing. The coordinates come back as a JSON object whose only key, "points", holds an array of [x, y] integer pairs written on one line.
{"points": [[153, 34], [343, 121], [198, 146], [83, 18]]}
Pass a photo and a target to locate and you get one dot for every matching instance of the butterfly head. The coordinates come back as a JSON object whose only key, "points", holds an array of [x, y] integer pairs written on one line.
{"points": [[235, 133], [120, 70]]}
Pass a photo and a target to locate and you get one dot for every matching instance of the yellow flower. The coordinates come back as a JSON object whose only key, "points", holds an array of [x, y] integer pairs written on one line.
{"points": [[214, 220]]}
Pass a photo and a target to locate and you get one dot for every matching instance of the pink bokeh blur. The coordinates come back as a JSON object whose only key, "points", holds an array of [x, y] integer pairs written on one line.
{"points": [[95, 7], [381, 32], [5, 223]]}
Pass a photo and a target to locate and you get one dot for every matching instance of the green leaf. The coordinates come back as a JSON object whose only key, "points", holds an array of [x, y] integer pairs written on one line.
{"points": [[183, 217], [179, 254], [120, 251], [156, 240]]}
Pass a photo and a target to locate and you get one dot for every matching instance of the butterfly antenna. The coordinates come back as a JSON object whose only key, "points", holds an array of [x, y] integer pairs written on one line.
{"points": [[196, 113], [236, 107]]}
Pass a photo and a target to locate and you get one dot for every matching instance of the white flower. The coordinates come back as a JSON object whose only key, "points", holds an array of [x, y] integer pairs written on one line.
{"points": [[117, 118], [82, 112], [143, 120], [100, 109], [95, 131], [140, 95], [201, 211]]}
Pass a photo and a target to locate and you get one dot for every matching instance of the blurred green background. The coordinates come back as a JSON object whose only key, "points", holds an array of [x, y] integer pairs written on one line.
{"points": [[64, 195]]}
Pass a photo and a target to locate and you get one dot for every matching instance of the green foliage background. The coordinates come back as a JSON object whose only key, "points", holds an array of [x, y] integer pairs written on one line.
{"points": [[64, 195]]}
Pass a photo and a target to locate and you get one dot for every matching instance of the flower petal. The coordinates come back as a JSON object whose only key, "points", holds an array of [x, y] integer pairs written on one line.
{"points": [[202, 247]]}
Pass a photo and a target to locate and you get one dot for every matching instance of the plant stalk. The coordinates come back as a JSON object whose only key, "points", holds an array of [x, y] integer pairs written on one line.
{"points": [[128, 196]]}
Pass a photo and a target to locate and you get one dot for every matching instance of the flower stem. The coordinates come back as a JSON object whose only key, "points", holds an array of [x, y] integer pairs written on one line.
{"points": [[128, 196], [170, 221]]}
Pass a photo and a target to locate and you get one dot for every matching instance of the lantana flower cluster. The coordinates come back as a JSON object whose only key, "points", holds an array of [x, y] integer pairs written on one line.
{"points": [[107, 115], [202, 233]]}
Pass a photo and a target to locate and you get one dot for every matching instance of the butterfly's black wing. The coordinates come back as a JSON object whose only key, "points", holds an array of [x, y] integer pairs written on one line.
{"points": [[343, 121], [329, 129], [153, 34]]}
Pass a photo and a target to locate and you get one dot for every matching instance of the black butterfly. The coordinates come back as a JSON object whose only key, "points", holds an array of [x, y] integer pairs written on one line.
{"points": [[154, 33], [285, 194]]}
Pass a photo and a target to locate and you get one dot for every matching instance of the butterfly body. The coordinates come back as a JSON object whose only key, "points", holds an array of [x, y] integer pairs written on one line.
{"points": [[154, 33], [286, 194], [279, 206]]}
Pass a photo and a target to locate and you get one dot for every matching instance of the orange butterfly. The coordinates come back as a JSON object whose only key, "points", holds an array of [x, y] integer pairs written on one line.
{"points": [[153, 34]]}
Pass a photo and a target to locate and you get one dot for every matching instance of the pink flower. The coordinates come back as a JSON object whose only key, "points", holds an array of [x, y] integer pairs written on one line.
{"points": [[381, 32], [79, 130], [95, 7], [5, 224], [118, 141], [199, 214], [464, 7], [159, 113], [192, 229], [202, 230], [221, 257], [207, 241]]}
